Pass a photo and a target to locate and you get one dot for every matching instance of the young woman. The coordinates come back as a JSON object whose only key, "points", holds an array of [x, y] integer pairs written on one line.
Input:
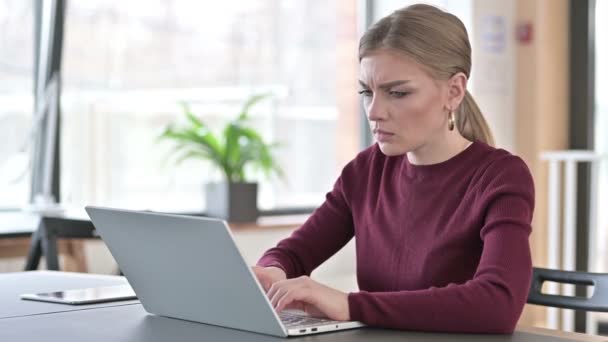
{"points": [[440, 217]]}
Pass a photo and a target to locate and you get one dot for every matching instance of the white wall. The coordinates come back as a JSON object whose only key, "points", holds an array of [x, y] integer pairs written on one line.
{"points": [[494, 63]]}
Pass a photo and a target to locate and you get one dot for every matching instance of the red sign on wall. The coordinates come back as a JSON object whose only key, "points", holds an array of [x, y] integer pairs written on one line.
{"points": [[524, 32]]}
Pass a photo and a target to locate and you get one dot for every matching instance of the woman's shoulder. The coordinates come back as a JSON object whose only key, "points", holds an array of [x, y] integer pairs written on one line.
{"points": [[499, 167], [499, 160]]}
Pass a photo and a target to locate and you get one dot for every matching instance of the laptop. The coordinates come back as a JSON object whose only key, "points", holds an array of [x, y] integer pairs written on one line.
{"points": [[190, 268]]}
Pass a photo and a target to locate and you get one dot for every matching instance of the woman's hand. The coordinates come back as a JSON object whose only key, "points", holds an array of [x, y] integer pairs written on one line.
{"points": [[310, 296], [268, 275]]}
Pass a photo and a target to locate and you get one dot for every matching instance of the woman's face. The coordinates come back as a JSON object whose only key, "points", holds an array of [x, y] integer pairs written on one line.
{"points": [[406, 107]]}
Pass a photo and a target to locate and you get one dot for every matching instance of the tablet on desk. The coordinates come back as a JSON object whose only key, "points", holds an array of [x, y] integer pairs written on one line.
{"points": [[85, 296]]}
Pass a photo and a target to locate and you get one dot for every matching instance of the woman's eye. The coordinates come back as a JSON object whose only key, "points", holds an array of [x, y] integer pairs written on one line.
{"points": [[398, 94], [365, 92]]}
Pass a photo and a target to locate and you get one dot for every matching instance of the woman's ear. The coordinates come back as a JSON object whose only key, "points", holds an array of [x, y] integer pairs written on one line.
{"points": [[457, 87]]}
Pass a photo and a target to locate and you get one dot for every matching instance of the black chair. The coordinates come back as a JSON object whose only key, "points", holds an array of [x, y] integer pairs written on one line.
{"points": [[598, 301]]}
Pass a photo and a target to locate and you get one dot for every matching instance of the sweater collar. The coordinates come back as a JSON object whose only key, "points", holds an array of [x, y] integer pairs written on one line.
{"points": [[442, 168]]}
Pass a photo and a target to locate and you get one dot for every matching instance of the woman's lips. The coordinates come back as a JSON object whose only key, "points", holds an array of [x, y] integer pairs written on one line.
{"points": [[383, 136]]}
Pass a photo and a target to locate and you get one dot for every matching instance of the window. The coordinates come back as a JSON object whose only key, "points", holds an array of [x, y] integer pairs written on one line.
{"points": [[127, 65], [16, 89]]}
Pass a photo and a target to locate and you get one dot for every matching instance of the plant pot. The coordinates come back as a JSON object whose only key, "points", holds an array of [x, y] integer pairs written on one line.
{"points": [[234, 202]]}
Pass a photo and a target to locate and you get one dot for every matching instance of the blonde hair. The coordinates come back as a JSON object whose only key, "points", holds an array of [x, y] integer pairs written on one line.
{"points": [[439, 41]]}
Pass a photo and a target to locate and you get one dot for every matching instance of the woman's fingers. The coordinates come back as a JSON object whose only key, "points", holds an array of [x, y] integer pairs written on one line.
{"points": [[285, 300], [273, 289], [268, 275], [305, 294], [296, 298], [283, 293], [278, 294]]}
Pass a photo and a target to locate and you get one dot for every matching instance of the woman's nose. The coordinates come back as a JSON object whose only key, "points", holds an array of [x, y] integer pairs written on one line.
{"points": [[375, 110]]}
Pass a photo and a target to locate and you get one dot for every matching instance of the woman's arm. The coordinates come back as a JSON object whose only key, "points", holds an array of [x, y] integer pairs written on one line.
{"points": [[328, 229]]}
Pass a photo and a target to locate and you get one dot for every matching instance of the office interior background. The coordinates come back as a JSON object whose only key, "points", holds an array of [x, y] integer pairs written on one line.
{"points": [[540, 68]]}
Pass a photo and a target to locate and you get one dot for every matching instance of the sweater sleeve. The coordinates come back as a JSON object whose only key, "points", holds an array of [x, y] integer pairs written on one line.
{"points": [[493, 300], [325, 232]]}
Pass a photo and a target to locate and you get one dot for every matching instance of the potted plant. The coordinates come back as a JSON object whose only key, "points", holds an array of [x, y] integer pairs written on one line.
{"points": [[232, 151]]}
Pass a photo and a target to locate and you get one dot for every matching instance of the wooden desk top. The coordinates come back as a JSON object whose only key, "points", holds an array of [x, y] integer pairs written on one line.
{"points": [[274, 222]]}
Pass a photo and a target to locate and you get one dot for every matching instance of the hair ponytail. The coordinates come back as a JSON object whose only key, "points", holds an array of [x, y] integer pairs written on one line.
{"points": [[471, 123]]}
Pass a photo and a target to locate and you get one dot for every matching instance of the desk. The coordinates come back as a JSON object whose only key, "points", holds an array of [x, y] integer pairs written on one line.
{"points": [[14, 284], [132, 323]]}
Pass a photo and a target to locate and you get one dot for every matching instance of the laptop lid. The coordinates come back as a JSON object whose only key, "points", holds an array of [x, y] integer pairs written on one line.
{"points": [[186, 267]]}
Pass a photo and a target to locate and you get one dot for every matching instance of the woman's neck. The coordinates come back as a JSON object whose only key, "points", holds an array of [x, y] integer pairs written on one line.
{"points": [[439, 150]]}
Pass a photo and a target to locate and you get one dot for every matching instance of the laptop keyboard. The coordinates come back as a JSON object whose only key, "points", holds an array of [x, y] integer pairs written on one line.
{"points": [[291, 320]]}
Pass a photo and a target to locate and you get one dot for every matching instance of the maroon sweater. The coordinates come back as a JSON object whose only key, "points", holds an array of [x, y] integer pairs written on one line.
{"points": [[440, 247]]}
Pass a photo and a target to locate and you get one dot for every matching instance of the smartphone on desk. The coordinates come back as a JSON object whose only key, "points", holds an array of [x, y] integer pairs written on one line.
{"points": [[85, 296]]}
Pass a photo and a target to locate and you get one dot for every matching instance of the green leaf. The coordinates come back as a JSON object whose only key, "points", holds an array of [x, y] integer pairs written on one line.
{"points": [[232, 152], [191, 155], [252, 101], [191, 117]]}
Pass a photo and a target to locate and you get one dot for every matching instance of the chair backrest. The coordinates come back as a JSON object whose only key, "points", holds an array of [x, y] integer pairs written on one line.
{"points": [[597, 302]]}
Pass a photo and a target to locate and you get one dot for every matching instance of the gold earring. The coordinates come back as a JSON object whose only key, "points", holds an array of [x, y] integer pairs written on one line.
{"points": [[451, 121]]}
